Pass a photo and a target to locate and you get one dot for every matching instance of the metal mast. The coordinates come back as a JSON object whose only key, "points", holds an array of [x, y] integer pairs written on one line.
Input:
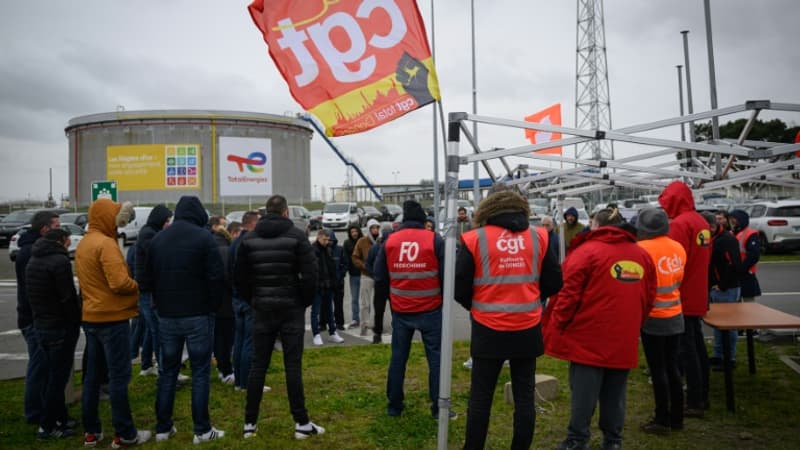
{"points": [[592, 99]]}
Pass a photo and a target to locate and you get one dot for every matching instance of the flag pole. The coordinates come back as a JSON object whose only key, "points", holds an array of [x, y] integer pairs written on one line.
{"points": [[437, 104]]}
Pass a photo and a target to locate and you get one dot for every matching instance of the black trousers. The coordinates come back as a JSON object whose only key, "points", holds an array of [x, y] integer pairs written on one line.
{"points": [[224, 329], [662, 358], [484, 381], [290, 326], [694, 358]]}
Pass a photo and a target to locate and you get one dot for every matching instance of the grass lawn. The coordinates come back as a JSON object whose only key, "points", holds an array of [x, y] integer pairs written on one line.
{"points": [[345, 394]]}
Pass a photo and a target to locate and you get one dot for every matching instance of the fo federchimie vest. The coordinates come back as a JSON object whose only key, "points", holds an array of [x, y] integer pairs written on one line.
{"points": [[414, 285]]}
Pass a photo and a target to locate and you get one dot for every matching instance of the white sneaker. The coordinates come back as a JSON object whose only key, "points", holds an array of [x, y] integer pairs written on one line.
{"points": [[278, 347], [160, 437], [336, 338], [210, 435], [267, 388], [249, 430], [230, 379], [152, 370], [307, 430], [183, 378], [238, 389], [141, 437], [468, 363], [317, 339]]}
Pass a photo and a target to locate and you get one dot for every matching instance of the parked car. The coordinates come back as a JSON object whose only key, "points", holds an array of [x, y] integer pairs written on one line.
{"points": [[76, 233], [12, 223], [315, 222], [130, 232], [390, 212], [300, 216], [778, 224], [79, 219], [235, 216], [370, 212], [340, 216]]}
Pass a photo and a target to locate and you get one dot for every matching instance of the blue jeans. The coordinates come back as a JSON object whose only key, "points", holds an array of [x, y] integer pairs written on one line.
{"points": [[729, 296], [355, 287], [197, 332], [323, 299], [147, 312], [58, 346], [429, 325], [35, 376], [113, 341], [588, 386], [242, 341]]}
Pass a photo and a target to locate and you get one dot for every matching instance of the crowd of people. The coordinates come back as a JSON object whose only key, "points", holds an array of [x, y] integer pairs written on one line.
{"points": [[199, 286]]}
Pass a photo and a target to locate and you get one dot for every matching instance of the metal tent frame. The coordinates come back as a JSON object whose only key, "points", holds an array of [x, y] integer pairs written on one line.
{"points": [[578, 179]]}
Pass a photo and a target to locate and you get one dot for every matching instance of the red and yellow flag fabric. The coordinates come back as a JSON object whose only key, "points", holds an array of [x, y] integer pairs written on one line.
{"points": [[355, 64], [550, 116]]}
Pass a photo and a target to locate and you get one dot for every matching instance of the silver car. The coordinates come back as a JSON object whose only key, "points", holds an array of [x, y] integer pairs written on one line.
{"points": [[75, 235], [778, 224]]}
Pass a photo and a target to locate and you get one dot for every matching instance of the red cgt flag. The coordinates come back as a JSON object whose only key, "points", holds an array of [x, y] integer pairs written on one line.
{"points": [[550, 116], [354, 64]]}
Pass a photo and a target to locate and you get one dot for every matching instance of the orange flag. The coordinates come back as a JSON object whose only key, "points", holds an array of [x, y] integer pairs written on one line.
{"points": [[550, 116], [797, 140], [356, 65]]}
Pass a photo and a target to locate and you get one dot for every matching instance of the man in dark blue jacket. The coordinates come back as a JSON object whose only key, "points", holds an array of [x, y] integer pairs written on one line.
{"points": [[36, 371], [243, 332], [750, 249], [184, 272], [158, 220]]}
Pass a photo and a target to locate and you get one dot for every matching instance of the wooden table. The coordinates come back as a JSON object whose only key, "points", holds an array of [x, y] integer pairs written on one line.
{"points": [[744, 316]]}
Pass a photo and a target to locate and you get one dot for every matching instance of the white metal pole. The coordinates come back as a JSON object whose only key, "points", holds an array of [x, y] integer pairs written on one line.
{"points": [[436, 199], [446, 369], [680, 100], [476, 189], [689, 106], [712, 80]]}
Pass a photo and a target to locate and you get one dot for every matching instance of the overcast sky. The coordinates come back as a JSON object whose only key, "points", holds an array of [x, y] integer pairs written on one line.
{"points": [[59, 60]]}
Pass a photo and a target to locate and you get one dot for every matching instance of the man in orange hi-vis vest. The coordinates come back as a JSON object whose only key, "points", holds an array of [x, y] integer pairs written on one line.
{"points": [[661, 332], [503, 270], [409, 266]]}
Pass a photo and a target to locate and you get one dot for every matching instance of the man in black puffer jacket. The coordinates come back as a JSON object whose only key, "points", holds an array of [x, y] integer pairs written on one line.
{"points": [[157, 220], [56, 317], [184, 271], [276, 272], [35, 375]]}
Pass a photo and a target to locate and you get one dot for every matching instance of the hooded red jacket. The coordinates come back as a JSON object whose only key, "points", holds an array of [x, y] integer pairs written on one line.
{"points": [[609, 287], [689, 228]]}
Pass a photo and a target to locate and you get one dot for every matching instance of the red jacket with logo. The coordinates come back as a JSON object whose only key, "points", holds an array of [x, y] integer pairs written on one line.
{"points": [[609, 287], [689, 228]]}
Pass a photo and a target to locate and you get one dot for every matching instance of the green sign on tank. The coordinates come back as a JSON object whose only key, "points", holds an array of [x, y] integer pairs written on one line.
{"points": [[104, 189]]}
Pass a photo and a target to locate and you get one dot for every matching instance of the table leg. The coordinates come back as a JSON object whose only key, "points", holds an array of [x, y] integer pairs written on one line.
{"points": [[751, 354], [726, 364]]}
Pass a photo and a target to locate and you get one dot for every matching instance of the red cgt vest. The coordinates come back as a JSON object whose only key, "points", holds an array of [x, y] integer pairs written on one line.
{"points": [[413, 271], [506, 287]]}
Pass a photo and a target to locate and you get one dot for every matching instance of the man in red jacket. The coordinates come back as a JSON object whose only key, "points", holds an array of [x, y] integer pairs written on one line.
{"points": [[594, 322], [691, 230]]}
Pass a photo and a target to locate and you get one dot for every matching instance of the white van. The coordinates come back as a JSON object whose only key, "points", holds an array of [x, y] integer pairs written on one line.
{"points": [[130, 232], [340, 216]]}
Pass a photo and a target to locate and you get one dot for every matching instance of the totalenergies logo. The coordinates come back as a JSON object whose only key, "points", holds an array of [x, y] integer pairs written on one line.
{"points": [[627, 271], [253, 162]]}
